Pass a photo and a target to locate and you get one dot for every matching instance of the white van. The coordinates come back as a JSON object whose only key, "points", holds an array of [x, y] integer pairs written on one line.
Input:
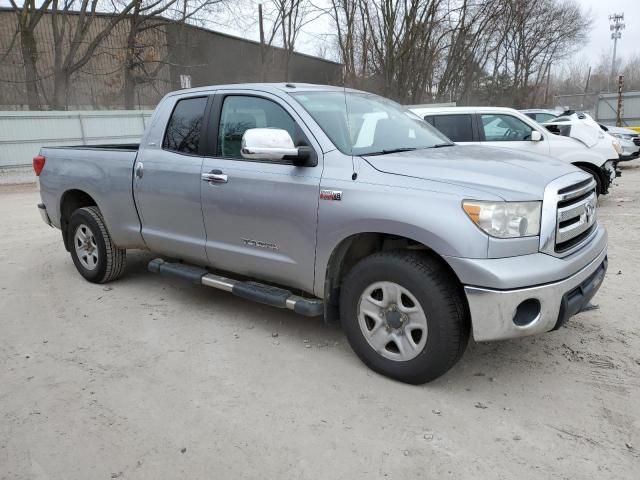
{"points": [[508, 128]]}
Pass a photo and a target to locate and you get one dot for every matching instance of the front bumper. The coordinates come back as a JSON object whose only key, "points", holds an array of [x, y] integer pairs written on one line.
{"points": [[43, 213], [610, 171], [501, 314], [626, 156]]}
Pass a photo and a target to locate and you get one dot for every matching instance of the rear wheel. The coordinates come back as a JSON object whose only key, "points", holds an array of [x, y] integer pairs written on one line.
{"points": [[404, 315], [93, 252]]}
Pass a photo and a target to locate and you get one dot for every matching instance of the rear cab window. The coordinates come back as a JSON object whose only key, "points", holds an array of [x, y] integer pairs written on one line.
{"points": [[185, 126]]}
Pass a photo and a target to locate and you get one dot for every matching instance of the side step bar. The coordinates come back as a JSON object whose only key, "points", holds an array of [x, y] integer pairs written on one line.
{"points": [[257, 292]]}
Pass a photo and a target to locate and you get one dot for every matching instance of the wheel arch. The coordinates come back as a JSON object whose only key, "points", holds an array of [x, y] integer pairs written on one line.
{"points": [[70, 201], [350, 250], [594, 170]]}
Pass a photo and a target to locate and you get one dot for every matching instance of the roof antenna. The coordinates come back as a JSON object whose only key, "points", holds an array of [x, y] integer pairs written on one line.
{"points": [[354, 175]]}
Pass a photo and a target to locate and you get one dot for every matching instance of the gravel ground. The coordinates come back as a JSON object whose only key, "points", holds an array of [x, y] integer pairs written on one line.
{"points": [[151, 378], [17, 175]]}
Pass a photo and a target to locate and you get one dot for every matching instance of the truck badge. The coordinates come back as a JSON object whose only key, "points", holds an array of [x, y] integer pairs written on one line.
{"points": [[331, 195], [589, 211]]}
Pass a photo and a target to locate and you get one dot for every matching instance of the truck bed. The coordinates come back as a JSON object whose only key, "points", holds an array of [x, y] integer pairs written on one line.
{"points": [[105, 173], [106, 146]]}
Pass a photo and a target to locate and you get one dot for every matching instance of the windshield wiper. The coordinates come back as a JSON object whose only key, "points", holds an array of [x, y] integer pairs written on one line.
{"points": [[392, 150], [440, 145]]}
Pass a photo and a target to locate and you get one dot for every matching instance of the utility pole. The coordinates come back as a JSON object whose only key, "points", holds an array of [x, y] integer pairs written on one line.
{"points": [[616, 26], [619, 112], [586, 87], [262, 45], [546, 89]]}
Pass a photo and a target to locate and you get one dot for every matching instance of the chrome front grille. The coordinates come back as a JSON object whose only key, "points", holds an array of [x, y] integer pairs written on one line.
{"points": [[569, 215], [575, 219]]}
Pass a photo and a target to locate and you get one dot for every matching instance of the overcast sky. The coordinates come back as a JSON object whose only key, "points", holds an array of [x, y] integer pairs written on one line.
{"points": [[600, 38], [601, 42]]}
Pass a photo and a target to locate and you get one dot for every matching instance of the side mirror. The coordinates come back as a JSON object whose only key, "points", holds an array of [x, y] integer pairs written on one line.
{"points": [[536, 136], [272, 144]]}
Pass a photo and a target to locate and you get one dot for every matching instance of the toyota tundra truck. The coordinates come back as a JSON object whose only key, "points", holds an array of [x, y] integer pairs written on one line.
{"points": [[336, 202]]}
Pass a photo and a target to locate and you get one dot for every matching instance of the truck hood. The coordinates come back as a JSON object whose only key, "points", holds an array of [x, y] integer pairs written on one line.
{"points": [[582, 131], [510, 174], [587, 132]]}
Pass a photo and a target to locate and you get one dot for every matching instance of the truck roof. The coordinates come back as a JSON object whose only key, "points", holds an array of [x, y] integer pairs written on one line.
{"points": [[436, 110], [289, 87]]}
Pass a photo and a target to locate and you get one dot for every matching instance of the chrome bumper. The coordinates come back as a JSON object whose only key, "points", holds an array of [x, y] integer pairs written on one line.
{"points": [[43, 213], [493, 312]]}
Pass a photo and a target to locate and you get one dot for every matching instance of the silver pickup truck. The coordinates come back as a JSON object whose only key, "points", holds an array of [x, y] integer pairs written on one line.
{"points": [[339, 203]]}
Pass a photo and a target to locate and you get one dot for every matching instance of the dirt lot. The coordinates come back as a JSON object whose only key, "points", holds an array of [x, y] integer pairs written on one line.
{"points": [[152, 378]]}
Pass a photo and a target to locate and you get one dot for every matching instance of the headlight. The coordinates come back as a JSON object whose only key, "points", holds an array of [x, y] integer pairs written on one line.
{"points": [[616, 146], [505, 219], [623, 136]]}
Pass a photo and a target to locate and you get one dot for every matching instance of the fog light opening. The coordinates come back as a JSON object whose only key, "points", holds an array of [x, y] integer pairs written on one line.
{"points": [[527, 312]]}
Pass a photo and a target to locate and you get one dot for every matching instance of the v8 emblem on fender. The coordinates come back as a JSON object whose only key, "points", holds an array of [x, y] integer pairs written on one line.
{"points": [[331, 195]]}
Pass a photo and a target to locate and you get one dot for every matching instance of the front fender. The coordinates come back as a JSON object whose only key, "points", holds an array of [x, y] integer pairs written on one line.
{"points": [[433, 219]]}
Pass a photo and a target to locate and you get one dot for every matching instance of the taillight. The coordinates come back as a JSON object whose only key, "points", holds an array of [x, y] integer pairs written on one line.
{"points": [[38, 164]]}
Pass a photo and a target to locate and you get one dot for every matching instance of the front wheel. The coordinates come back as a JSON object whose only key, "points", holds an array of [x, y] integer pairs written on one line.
{"points": [[93, 252], [599, 186], [404, 315]]}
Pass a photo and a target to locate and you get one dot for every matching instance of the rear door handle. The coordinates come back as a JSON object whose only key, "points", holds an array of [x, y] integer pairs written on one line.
{"points": [[139, 170], [215, 176]]}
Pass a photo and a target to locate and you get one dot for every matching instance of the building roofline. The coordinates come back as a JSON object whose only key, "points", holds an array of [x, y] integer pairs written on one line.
{"points": [[169, 21]]}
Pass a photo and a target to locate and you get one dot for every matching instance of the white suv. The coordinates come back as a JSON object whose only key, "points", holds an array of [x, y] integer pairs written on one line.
{"points": [[508, 128]]}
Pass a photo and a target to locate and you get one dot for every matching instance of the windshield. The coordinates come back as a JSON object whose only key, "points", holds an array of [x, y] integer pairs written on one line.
{"points": [[364, 124], [543, 117]]}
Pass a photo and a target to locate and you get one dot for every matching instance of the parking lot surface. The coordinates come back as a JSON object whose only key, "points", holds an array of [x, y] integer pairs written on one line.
{"points": [[149, 378]]}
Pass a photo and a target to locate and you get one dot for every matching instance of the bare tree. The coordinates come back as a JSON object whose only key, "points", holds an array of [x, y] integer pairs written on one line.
{"points": [[142, 61], [28, 17], [287, 19], [76, 38]]}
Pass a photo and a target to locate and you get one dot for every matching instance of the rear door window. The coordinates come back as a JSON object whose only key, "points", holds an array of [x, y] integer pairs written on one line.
{"points": [[183, 130], [457, 127]]}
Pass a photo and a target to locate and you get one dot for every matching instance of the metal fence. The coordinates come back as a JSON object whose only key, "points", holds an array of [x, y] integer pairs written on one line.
{"points": [[604, 106], [22, 134], [607, 108]]}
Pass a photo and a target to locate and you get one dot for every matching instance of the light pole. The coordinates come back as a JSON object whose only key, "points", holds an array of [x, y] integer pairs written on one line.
{"points": [[616, 26]]}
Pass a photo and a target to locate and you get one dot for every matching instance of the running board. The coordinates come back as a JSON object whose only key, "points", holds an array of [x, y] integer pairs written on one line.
{"points": [[257, 292]]}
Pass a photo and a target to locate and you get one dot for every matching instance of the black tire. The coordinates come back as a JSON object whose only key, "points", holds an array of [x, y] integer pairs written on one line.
{"points": [[596, 176], [440, 297], [110, 260]]}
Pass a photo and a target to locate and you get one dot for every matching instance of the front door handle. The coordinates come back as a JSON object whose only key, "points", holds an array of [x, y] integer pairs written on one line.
{"points": [[215, 176], [139, 170]]}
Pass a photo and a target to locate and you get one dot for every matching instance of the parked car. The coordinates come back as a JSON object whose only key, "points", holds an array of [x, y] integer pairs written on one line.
{"points": [[629, 141], [337, 203], [508, 128], [582, 126], [540, 115]]}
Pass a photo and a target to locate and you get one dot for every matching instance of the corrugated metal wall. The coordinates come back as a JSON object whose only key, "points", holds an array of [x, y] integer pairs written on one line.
{"points": [[22, 134], [608, 105]]}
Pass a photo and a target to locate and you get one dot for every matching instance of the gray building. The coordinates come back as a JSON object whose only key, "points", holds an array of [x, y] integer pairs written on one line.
{"points": [[166, 57]]}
